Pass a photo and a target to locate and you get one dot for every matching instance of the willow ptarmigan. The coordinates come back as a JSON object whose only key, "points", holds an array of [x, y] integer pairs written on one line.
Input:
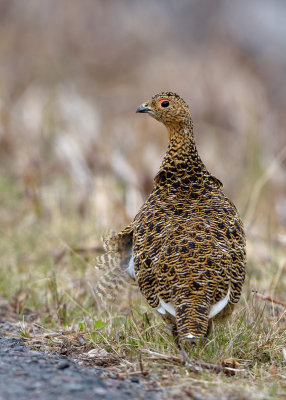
{"points": [[185, 248]]}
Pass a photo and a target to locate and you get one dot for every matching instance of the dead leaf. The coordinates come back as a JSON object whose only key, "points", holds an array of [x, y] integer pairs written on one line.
{"points": [[230, 365], [97, 353], [273, 370]]}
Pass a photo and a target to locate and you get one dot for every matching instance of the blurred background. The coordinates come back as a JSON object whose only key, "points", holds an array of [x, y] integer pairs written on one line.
{"points": [[75, 158]]}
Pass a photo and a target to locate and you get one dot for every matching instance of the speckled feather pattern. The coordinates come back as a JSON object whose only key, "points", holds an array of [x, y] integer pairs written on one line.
{"points": [[187, 240]]}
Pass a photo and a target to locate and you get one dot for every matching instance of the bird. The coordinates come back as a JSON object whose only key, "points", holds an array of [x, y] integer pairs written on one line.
{"points": [[185, 248]]}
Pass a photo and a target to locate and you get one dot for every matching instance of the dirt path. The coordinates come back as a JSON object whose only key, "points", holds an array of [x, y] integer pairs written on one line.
{"points": [[28, 374]]}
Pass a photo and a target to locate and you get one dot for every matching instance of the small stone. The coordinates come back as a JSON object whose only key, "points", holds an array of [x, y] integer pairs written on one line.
{"points": [[13, 342], [18, 348], [81, 340], [30, 353], [34, 385], [33, 361], [99, 391], [135, 379], [73, 387], [63, 365], [6, 327]]}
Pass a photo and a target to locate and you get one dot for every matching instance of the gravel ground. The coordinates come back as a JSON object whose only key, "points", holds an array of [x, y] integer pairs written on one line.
{"points": [[28, 374]]}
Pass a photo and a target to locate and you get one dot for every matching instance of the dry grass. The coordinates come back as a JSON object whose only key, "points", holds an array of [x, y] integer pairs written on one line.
{"points": [[75, 161]]}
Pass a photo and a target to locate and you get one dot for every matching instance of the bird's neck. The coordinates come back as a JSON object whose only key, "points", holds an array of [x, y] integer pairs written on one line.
{"points": [[182, 154]]}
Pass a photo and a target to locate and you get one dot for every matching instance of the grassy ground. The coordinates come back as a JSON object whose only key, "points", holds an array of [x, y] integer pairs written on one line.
{"points": [[47, 282]]}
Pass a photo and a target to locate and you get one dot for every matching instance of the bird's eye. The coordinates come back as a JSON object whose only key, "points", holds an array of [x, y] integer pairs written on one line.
{"points": [[165, 103]]}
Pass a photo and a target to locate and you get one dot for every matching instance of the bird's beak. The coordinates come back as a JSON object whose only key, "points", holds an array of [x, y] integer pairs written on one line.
{"points": [[143, 109]]}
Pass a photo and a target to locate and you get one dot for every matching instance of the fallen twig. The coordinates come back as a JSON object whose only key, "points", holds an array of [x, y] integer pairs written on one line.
{"points": [[144, 373], [195, 365], [133, 373], [174, 359], [268, 298]]}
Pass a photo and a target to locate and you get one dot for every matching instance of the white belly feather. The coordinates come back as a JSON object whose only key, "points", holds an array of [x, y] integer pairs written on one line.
{"points": [[130, 269], [215, 308]]}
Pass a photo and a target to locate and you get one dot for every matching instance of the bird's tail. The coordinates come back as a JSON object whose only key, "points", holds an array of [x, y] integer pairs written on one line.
{"points": [[192, 315], [113, 264]]}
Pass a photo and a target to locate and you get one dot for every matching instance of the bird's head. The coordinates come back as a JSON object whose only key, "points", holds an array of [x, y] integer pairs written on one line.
{"points": [[168, 108]]}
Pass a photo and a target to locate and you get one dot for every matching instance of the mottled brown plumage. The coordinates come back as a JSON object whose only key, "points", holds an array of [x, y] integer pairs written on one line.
{"points": [[186, 246]]}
